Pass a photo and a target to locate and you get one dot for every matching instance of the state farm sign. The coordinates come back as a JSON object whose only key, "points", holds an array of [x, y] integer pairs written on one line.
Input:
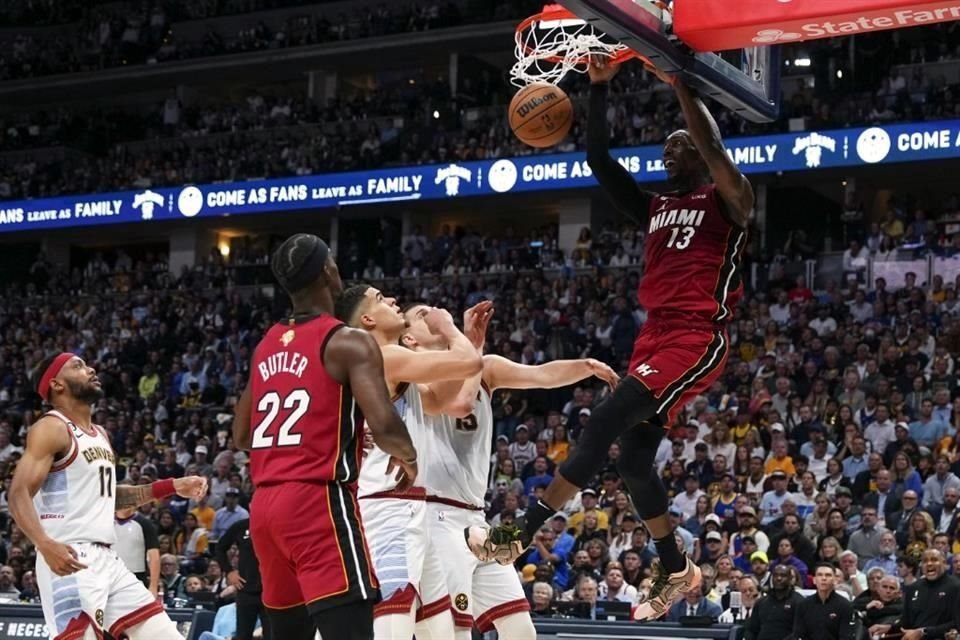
{"points": [[711, 26]]}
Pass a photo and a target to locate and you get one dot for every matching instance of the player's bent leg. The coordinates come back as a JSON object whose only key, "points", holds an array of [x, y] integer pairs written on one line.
{"points": [[516, 626], [156, 627], [394, 626], [630, 404], [676, 574], [352, 621]]}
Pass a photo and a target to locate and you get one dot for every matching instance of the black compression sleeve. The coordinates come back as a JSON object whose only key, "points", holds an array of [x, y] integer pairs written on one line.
{"points": [[616, 181]]}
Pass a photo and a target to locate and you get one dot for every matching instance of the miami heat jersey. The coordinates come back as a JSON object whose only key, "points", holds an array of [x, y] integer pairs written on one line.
{"points": [[77, 500], [458, 463], [373, 472], [305, 423], [692, 257]]}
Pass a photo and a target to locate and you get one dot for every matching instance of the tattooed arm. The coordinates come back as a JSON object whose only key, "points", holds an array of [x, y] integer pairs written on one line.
{"points": [[132, 496]]}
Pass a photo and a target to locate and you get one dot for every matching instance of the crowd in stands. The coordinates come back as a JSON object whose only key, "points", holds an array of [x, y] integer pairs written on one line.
{"points": [[123, 34], [214, 139], [832, 436]]}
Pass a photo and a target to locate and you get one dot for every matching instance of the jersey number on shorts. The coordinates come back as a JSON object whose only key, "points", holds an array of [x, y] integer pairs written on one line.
{"points": [[297, 402], [686, 235], [467, 424]]}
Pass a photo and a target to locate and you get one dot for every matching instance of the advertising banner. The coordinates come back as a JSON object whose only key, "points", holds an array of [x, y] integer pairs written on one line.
{"points": [[711, 26], [754, 155]]}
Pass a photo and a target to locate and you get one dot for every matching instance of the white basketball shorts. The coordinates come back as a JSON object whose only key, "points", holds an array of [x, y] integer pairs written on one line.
{"points": [[481, 591], [105, 596], [396, 533]]}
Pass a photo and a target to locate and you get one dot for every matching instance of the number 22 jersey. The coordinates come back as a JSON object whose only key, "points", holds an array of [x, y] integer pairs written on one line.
{"points": [[304, 422]]}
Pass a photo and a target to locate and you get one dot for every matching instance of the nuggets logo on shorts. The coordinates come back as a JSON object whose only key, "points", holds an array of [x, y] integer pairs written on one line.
{"points": [[99, 617], [461, 602]]}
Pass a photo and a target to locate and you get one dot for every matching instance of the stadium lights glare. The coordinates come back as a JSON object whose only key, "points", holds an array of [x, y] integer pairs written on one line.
{"points": [[801, 62]]}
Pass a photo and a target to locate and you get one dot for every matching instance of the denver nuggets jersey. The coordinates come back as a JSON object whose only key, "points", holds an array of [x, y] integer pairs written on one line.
{"points": [[373, 471], [458, 464], [77, 500]]}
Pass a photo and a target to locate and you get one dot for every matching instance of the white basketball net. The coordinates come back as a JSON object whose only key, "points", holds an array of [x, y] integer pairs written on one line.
{"points": [[548, 49]]}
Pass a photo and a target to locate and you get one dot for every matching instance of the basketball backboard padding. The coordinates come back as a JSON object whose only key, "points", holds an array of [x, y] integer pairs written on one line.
{"points": [[707, 73]]}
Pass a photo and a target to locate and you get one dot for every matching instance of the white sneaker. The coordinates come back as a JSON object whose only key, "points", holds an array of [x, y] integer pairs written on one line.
{"points": [[667, 589]]}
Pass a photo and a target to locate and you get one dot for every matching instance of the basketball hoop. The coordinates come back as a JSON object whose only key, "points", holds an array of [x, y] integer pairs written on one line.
{"points": [[555, 41]]}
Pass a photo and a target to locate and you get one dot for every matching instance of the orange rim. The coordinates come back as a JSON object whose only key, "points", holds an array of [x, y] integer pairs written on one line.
{"points": [[555, 12]]}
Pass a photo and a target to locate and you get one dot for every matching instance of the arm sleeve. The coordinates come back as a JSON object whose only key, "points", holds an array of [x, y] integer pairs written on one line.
{"points": [[150, 538], [616, 181]]}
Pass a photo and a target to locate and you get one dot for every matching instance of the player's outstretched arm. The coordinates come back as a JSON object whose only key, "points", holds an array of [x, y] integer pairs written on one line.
{"points": [[46, 439], [500, 373], [353, 357], [132, 496], [732, 185], [616, 181], [459, 362]]}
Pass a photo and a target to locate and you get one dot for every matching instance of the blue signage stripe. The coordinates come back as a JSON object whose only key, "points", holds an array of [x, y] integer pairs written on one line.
{"points": [[755, 155]]}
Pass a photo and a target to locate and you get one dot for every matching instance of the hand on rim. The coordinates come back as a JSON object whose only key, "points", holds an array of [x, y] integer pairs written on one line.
{"points": [[667, 78], [602, 69]]}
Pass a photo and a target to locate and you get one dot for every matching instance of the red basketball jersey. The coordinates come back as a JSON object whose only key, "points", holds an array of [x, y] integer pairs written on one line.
{"points": [[305, 423], [692, 258]]}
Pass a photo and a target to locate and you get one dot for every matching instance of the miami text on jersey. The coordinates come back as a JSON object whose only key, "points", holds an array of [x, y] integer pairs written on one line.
{"points": [[678, 217]]}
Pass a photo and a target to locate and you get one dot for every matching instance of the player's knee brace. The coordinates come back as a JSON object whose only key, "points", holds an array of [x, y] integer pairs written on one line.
{"points": [[516, 626], [630, 404], [158, 627]]}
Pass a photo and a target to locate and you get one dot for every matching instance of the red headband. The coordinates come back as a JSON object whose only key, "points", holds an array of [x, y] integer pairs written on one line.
{"points": [[44, 387]]}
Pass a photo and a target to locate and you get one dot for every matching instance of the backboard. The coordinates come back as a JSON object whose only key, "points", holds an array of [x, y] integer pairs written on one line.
{"points": [[746, 81]]}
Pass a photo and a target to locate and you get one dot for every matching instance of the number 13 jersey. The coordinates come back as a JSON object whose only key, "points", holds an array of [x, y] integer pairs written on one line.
{"points": [[692, 257], [304, 423], [457, 466]]}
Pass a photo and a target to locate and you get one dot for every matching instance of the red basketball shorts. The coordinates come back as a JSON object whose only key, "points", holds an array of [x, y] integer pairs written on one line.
{"points": [[678, 363], [310, 546]]}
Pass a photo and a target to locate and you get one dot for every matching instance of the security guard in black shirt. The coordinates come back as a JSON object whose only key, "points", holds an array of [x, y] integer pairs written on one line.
{"points": [[246, 579], [825, 615], [773, 615], [930, 604]]}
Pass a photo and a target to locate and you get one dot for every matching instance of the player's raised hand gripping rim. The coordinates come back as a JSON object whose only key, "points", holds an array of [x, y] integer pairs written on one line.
{"points": [[602, 69], [61, 558]]}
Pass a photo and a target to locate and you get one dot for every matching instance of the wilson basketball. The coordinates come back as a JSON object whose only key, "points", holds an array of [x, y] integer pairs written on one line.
{"points": [[541, 115]]}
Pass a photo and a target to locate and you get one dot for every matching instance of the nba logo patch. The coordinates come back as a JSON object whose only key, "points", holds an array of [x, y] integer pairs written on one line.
{"points": [[288, 337], [461, 602]]}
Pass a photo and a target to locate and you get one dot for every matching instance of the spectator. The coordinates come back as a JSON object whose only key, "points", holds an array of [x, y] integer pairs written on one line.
{"points": [[887, 607], [772, 502], [930, 605], [775, 613], [824, 615], [865, 541], [138, 547], [230, 513], [749, 594], [936, 486], [614, 587], [693, 604]]}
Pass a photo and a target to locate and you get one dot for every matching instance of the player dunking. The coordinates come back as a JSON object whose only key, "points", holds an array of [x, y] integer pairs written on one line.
{"points": [[456, 467], [64, 495], [312, 383], [395, 520], [695, 241]]}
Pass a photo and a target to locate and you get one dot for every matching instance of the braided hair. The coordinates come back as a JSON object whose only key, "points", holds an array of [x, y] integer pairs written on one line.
{"points": [[299, 261]]}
